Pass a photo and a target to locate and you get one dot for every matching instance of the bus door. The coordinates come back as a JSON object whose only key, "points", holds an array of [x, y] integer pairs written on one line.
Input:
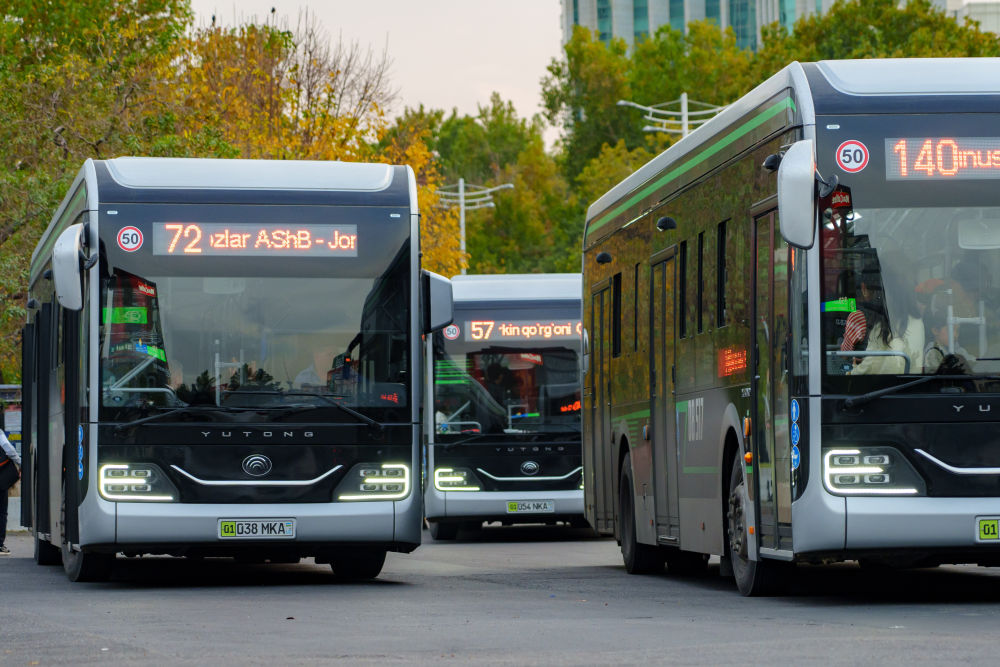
{"points": [[771, 449], [661, 294], [604, 463]]}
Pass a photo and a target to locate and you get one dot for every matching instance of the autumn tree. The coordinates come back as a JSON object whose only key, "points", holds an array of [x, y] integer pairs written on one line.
{"points": [[76, 82], [408, 141]]}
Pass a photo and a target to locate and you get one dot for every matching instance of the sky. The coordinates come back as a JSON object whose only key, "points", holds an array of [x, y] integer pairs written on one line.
{"points": [[445, 53]]}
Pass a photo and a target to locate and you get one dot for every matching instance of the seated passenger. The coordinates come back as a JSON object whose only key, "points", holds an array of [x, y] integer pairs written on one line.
{"points": [[937, 349], [896, 327], [314, 377]]}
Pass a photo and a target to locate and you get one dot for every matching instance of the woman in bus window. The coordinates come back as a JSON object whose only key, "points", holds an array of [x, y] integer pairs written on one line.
{"points": [[896, 325]]}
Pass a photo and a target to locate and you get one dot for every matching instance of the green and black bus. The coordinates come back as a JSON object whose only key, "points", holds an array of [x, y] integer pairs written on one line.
{"points": [[793, 328]]}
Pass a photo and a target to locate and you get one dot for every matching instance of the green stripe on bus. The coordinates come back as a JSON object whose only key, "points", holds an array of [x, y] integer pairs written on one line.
{"points": [[738, 133], [641, 414]]}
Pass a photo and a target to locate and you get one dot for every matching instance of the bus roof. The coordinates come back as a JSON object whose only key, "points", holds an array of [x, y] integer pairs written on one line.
{"points": [[518, 287], [850, 86], [215, 181], [209, 174]]}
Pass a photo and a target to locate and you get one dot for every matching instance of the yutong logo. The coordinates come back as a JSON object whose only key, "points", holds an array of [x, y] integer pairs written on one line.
{"points": [[257, 434], [256, 465], [529, 468]]}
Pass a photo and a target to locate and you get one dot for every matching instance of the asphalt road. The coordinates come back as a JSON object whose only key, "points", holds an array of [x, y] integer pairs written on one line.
{"points": [[531, 595]]}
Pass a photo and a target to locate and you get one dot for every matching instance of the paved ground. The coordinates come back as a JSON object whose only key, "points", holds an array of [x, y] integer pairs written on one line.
{"points": [[511, 596]]}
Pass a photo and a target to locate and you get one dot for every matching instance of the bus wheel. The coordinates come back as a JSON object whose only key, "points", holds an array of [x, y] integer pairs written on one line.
{"points": [[752, 577], [639, 558], [357, 565], [443, 530], [81, 566]]}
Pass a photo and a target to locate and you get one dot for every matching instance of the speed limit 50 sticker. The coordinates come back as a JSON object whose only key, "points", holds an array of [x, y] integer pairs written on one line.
{"points": [[129, 239], [852, 156]]}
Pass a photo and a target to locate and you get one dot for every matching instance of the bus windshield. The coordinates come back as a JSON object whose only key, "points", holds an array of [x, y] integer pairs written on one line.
{"points": [[910, 256], [271, 336], [507, 373]]}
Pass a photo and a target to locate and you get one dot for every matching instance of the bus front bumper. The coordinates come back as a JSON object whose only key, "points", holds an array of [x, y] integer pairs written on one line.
{"points": [[494, 505], [893, 523]]}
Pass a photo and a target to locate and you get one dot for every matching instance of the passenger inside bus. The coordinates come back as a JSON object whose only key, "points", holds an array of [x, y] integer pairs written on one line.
{"points": [[941, 354], [896, 333], [314, 376]]}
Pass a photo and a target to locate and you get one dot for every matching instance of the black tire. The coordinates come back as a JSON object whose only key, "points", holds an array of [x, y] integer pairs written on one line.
{"points": [[442, 530], [639, 558], [753, 578], [358, 565], [80, 565]]}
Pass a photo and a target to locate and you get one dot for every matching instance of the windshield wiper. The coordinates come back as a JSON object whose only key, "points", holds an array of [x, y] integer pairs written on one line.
{"points": [[452, 445], [190, 409], [861, 399], [360, 416]]}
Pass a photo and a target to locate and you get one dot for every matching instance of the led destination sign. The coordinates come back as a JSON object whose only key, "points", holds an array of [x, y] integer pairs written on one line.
{"points": [[188, 238], [942, 158], [510, 330]]}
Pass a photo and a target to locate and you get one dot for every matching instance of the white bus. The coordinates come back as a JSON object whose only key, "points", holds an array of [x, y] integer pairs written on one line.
{"points": [[222, 358], [504, 441], [794, 334]]}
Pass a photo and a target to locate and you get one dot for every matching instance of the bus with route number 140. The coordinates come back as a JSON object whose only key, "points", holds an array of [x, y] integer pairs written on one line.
{"points": [[793, 329]]}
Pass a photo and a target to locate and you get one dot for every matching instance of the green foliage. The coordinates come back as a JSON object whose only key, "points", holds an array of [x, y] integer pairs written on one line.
{"points": [[580, 94], [873, 29]]}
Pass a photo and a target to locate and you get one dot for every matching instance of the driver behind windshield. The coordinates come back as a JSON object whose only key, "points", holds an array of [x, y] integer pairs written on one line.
{"points": [[895, 325]]}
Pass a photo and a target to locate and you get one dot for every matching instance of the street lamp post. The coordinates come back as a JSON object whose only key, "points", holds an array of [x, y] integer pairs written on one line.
{"points": [[468, 197], [680, 122]]}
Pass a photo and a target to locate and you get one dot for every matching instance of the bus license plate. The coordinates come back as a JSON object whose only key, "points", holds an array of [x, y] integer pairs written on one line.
{"points": [[988, 529], [530, 506], [256, 529]]}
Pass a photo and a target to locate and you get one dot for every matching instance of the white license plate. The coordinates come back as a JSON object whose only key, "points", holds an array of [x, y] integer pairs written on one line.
{"points": [[256, 529], [531, 506]]}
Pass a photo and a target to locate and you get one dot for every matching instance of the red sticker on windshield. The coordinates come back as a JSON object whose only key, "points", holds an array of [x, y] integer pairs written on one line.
{"points": [[852, 156]]}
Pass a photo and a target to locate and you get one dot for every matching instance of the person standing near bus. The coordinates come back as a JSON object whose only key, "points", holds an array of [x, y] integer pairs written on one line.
{"points": [[10, 472]]}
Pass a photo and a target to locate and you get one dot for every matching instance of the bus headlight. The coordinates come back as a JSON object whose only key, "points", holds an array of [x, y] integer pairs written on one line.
{"points": [[375, 481], [129, 482], [455, 479], [863, 471]]}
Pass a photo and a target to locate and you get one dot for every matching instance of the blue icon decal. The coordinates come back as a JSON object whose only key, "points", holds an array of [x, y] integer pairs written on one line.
{"points": [[796, 433], [794, 411], [795, 458]]}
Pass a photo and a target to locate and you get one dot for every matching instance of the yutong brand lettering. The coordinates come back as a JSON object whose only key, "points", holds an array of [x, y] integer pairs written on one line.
{"points": [[193, 239], [263, 434]]}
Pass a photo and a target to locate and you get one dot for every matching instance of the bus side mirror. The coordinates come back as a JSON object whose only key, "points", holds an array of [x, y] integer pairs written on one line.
{"points": [[797, 194], [437, 301], [66, 268]]}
